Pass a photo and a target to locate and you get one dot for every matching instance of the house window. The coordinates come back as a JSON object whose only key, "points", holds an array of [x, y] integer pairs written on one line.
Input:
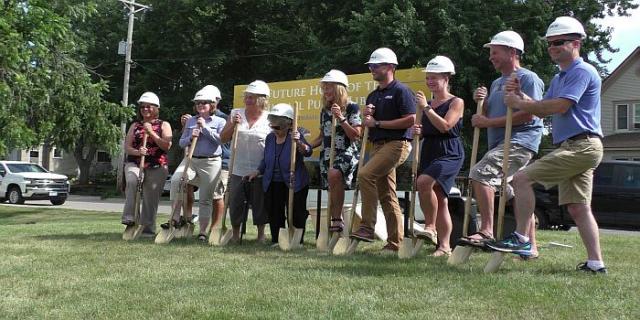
{"points": [[57, 153], [34, 153], [103, 156], [636, 116], [622, 116]]}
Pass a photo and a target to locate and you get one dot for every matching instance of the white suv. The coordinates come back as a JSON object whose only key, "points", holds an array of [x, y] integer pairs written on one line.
{"points": [[23, 180]]}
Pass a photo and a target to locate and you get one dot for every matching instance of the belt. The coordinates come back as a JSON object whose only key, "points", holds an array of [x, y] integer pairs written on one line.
{"points": [[584, 135], [207, 157], [383, 141]]}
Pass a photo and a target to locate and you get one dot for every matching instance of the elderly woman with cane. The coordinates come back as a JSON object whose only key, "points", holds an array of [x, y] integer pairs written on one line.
{"points": [[148, 138], [442, 152], [276, 175]]}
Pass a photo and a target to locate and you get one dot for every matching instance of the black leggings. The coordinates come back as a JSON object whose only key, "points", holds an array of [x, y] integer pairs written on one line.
{"points": [[276, 200]]}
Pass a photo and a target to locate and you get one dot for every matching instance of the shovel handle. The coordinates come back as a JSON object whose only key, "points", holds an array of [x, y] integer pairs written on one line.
{"points": [[505, 167], [363, 151], [292, 168], [414, 172], [472, 163], [332, 155]]}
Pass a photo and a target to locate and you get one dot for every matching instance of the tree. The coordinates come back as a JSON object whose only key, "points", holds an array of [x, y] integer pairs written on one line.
{"points": [[47, 93]]}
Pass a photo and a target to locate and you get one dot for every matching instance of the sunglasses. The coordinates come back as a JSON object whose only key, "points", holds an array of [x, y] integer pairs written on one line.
{"points": [[276, 127], [202, 102], [146, 106], [373, 66], [560, 42]]}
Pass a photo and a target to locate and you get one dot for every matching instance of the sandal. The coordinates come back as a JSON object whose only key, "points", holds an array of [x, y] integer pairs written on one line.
{"points": [[337, 227], [468, 241], [429, 235], [440, 252]]}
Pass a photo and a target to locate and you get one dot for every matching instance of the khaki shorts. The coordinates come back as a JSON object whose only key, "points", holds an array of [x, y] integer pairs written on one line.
{"points": [[570, 167], [218, 191], [488, 170]]}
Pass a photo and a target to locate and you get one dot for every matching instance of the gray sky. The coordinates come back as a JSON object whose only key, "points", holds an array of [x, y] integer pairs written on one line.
{"points": [[625, 36]]}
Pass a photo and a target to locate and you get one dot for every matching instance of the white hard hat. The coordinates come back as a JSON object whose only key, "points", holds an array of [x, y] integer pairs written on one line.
{"points": [[565, 25], [209, 93], [150, 98], [507, 38], [336, 76], [383, 55], [258, 87], [282, 110], [440, 64]]}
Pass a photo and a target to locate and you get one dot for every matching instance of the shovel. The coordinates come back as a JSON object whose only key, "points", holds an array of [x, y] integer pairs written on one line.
{"points": [[497, 257], [461, 253], [133, 232], [346, 245], [289, 238], [166, 235], [411, 245], [324, 243], [220, 235]]}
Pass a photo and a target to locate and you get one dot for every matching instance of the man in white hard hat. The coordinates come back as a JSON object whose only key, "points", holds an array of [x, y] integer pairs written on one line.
{"points": [[389, 114], [505, 51], [573, 100]]}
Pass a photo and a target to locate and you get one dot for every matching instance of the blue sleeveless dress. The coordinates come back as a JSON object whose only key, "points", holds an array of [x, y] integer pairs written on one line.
{"points": [[442, 154]]}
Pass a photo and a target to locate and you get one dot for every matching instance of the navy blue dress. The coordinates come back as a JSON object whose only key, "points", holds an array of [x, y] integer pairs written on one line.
{"points": [[442, 154]]}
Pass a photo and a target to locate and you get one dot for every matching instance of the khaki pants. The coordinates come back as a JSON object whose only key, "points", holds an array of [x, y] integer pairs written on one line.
{"points": [[378, 183], [151, 191]]}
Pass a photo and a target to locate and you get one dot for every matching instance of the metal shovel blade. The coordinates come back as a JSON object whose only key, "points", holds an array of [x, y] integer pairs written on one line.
{"points": [[494, 263], [409, 248], [342, 246], [333, 241], [132, 233], [296, 238], [322, 244], [165, 235], [460, 255], [220, 237], [186, 231], [284, 240]]}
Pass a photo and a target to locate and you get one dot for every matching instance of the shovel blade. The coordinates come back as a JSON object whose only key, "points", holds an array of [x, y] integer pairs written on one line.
{"points": [[296, 238], [460, 255], [322, 244], [132, 232], [494, 263], [284, 240], [220, 237], [165, 235], [407, 249], [185, 231], [335, 236], [342, 245], [352, 247]]}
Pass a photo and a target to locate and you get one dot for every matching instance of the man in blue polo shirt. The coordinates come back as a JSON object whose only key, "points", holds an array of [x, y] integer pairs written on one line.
{"points": [[389, 114], [573, 99]]}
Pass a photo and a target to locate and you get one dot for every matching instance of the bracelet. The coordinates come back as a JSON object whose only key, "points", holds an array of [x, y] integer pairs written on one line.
{"points": [[343, 120]]}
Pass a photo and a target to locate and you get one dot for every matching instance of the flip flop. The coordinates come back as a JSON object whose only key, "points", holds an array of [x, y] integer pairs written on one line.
{"points": [[468, 241]]}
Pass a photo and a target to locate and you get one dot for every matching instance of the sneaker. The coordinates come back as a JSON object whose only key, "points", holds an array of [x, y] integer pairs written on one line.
{"points": [[363, 234], [511, 244], [583, 267]]}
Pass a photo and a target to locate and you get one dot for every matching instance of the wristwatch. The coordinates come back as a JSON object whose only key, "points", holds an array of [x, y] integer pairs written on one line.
{"points": [[377, 124], [427, 108]]}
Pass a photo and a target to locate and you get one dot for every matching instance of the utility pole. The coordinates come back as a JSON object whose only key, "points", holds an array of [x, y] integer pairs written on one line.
{"points": [[133, 8]]}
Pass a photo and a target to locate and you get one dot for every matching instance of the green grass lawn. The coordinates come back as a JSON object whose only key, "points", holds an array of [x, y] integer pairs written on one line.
{"points": [[65, 264]]}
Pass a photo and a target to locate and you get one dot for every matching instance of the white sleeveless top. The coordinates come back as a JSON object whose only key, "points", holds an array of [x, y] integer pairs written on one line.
{"points": [[250, 146]]}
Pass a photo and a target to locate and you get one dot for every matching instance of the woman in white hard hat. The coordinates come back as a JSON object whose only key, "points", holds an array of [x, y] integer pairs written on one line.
{"points": [[274, 169], [159, 137], [442, 152], [335, 100], [207, 154], [209, 94], [253, 128]]}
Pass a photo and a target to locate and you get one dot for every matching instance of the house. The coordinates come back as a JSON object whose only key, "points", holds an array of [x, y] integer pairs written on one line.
{"points": [[620, 107]]}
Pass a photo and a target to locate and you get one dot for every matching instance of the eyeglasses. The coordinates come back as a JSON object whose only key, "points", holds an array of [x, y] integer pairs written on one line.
{"points": [[373, 66], [146, 106], [560, 42], [202, 102]]}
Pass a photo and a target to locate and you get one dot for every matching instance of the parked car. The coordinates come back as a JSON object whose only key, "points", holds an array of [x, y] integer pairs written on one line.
{"points": [[20, 181], [615, 199]]}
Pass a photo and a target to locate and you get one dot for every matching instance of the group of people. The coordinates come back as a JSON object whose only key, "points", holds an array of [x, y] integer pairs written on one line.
{"points": [[261, 174]]}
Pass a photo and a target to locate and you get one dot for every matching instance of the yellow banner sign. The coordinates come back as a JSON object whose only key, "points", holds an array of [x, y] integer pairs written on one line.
{"points": [[306, 95]]}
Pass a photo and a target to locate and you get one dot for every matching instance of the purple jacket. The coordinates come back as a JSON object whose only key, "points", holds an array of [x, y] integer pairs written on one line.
{"points": [[268, 163]]}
